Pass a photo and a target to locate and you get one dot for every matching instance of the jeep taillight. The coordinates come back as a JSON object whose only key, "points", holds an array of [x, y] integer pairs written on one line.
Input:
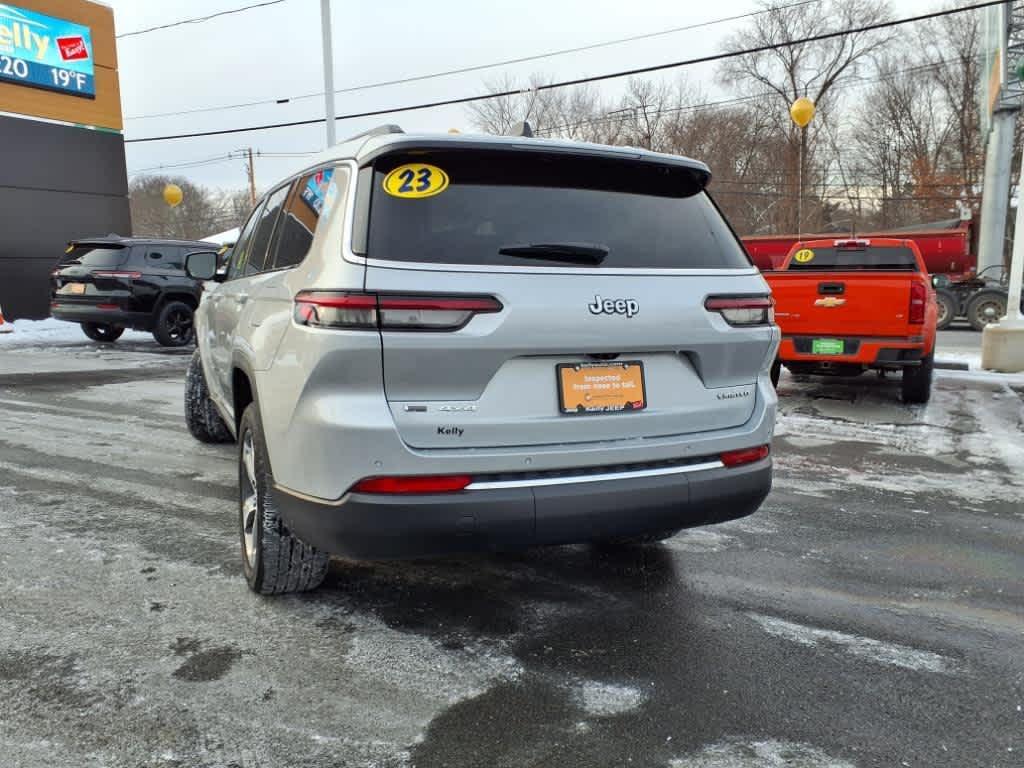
{"points": [[918, 302], [371, 311], [743, 310]]}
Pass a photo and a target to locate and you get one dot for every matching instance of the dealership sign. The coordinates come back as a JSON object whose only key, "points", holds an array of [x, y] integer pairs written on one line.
{"points": [[44, 52]]}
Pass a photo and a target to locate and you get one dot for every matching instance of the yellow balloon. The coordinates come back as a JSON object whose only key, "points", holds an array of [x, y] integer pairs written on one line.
{"points": [[802, 112], [173, 195]]}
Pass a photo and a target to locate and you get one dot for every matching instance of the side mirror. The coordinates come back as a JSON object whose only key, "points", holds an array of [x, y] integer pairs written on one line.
{"points": [[940, 281], [201, 266]]}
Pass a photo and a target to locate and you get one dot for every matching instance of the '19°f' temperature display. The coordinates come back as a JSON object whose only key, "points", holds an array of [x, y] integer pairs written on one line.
{"points": [[43, 52]]}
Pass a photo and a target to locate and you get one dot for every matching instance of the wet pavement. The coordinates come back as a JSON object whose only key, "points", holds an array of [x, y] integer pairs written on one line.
{"points": [[871, 614]]}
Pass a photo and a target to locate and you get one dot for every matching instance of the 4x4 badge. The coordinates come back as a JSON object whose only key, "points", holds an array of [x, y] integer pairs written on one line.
{"points": [[627, 307]]}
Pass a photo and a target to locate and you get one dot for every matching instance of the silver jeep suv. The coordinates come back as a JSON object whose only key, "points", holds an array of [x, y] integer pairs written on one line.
{"points": [[429, 344]]}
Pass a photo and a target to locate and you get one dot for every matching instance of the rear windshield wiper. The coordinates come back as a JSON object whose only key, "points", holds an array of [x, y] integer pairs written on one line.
{"points": [[574, 253]]}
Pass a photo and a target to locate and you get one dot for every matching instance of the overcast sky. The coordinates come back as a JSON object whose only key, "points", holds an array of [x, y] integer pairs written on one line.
{"points": [[274, 52]]}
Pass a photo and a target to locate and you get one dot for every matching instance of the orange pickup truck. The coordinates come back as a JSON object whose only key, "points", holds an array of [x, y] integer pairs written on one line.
{"points": [[845, 306]]}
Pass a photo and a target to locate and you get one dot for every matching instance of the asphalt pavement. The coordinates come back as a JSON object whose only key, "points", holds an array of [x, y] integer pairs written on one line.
{"points": [[871, 614]]}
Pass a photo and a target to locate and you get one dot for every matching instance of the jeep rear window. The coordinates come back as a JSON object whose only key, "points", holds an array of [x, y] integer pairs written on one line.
{"points": [[870, 257], [96, 255], [647, 216]]}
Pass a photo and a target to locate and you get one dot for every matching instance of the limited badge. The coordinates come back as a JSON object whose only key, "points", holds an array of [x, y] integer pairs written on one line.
{"points": [[416, 180], [803, 256]]}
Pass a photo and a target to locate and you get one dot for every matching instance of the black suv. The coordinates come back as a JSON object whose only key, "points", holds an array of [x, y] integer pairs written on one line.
{"points": [[108, 284]]}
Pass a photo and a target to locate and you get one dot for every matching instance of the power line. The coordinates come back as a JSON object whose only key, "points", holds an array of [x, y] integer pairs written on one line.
{"points": [[478, 67], [199, 19], [582, 80]]}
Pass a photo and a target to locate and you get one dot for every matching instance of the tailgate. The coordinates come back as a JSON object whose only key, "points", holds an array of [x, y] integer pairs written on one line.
{"points": [[842, 304]]}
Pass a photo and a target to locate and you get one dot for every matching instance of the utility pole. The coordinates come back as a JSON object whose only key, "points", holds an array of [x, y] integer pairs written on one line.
{"points": [[1002, 343], [251, 170], [325, 26]]}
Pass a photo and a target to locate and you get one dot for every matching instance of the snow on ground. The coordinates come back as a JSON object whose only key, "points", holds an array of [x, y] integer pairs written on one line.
{"points": [[31, 333], [760, 754], [55, 346], [869, 648]]}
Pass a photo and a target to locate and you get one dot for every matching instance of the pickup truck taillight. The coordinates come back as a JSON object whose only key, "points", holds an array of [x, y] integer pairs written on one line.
{"points": [[371, 311], [743, 310], [918, 302]]}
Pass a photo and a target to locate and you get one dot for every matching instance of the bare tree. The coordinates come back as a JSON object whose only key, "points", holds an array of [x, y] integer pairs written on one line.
{"points": [[784, 72], [198, 215], [951, 47]]}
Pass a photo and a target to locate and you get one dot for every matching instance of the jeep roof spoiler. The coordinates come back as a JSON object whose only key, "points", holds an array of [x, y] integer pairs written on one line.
{"points": [[380, 130]]}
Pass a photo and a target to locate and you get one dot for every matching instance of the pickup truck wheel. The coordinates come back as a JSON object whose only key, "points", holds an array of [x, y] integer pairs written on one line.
{"points": [[776, 372], [174, 325], [985, 308], [201, 416], [948, 306], [274, 560], [102, 332], [917, 381]]}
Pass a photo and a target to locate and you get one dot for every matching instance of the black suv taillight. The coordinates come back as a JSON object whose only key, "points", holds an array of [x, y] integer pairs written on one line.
{"points": [[371, 311], [743, 310]]}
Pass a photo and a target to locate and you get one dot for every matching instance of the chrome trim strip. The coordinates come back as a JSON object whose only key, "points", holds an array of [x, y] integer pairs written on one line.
{"points": [[542, 481]]}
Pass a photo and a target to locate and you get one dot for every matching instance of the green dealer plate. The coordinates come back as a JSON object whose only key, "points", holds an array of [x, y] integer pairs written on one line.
{"points": [[827, 347]]}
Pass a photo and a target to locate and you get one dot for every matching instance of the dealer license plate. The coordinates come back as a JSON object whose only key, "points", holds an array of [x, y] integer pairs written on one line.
{"points": [[827, 347], [601, 387]]}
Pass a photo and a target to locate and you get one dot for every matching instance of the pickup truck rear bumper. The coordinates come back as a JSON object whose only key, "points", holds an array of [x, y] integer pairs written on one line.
{"points": [[882, 352]]}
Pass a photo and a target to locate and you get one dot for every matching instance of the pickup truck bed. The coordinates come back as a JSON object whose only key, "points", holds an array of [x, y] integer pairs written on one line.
{"points": [[847, 306]]}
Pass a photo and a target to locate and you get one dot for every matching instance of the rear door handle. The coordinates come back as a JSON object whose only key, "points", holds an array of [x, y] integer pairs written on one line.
{"points": [[243, 297]]}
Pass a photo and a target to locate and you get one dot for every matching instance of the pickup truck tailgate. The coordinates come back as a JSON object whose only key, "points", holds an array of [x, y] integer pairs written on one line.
{"points": [[860, 303]]}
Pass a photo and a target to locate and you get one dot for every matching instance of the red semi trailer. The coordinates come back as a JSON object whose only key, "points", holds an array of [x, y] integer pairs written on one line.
{"points": [[948, 248]]}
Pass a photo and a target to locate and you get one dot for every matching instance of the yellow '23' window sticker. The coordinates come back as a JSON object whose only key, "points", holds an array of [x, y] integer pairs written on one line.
{"points": [[416, 180]]}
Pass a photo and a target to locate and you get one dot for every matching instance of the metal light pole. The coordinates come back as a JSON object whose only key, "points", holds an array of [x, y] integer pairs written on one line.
{"points": [[801, 112], [1002, 343], [325, 26]]}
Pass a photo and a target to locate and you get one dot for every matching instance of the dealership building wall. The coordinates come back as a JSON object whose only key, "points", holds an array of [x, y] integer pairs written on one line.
{"points": [[62, 166]]}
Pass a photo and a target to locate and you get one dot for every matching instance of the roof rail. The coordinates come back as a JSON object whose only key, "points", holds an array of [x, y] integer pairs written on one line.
{"points": [[380, 130], [521, 129]]}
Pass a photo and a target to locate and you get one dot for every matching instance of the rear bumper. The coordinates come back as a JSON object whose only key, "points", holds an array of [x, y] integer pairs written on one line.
{"points": [[883, 352], [366, 526], [86, 313]]}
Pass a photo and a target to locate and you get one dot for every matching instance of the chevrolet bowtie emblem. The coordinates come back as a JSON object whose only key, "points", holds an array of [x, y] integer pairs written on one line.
{"points": [[829, 301]]}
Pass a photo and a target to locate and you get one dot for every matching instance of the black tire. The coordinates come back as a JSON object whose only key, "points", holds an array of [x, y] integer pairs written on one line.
{"points": [[979, 305], [102, 332], [201, 416], [948, 307], [274, 560], [917, 381], [776, 372], [174, 325]]}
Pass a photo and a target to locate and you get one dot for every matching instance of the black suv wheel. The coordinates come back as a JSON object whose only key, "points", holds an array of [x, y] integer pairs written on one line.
{"points": [[101, 332], [174, 325]]}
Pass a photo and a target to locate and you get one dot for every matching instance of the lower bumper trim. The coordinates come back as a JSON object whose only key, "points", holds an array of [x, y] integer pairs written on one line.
{"points": [[367, 526]]}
